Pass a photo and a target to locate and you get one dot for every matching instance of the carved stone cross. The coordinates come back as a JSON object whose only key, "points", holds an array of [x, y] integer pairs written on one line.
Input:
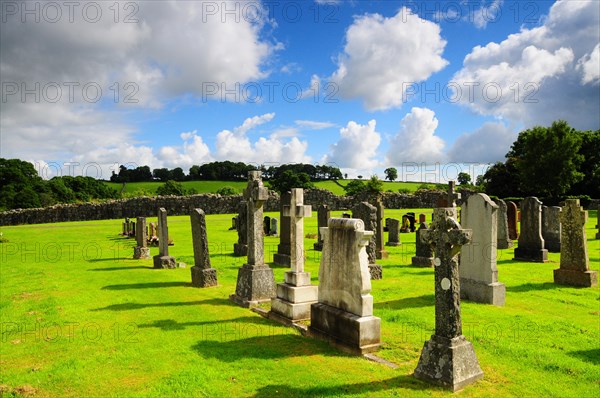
{"points": [[255, 195], [296, 212]]}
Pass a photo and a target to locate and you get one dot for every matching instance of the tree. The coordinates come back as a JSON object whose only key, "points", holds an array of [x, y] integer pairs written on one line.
{"points": [[354, 187], [161, 174], [547, 159], [391, 174], [590, 167], [171, 188], [502, 180], [226, 191], [464, 178], [374, 186], [289, 179]]}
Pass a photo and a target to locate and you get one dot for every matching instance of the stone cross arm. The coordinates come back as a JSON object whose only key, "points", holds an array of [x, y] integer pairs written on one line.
{"points": [[300, 211], [446, 232]]}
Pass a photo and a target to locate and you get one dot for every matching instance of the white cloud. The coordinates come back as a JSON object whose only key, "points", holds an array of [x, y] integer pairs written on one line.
{"points": [[314, 125], [382, 56], [416, 140], [486, 13], [589, 65], [487, 144], [357, 147], [539, 75]]}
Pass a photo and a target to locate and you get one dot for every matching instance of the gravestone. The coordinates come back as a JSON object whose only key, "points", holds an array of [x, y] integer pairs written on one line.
{"points": [[241, 247], [478, 270], [451, 197], [124, 233], [141, 250], [296, 294], [255, 282], [267, 225], [203, 275], [574, 261], [511, 216], [405, 228], [412, 221], [551, 228], [503, 241], [163, 260], [132, 233], [531, 243], [233, 223], [422, 218], [380, 252], [153, 232], [385, 226], [394, 232], [424, 254], [284, 249], [447, 358], [368, 214], [322, 218], [344, 312], [274, 231]]}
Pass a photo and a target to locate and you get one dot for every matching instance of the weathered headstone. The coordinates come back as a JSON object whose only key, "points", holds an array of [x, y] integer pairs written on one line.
{"points": [[551, 228], [233, 223], [511, 215], [478, 269], [163, 260], [284, 249], [132, 229], [574, 261], [203, 275], [322, 218], [503, 241], [241, 247], [452, 196], [447, 359], [412, 221], [274, 231], [422, 218], [296, 294], [394, 232], [255, 282], [267, 225], [344, 312], [368, 214], [124, 233], [531, 243], [424, 254], [380, 252], [141, 250]]}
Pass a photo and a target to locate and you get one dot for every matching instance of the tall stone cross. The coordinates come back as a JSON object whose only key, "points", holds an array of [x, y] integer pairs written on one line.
{"points": [[255, 195], [447, 359], [296, 212], [453, 196]]}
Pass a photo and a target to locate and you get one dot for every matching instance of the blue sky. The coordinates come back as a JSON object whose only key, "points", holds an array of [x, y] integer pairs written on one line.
{"points": [[365, 85]]}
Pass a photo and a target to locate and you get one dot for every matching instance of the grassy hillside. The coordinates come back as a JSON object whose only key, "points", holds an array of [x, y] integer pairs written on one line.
{"points": [[213, 186]]}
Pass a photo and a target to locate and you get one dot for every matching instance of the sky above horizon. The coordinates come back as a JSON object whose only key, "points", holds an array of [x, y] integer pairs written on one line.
{"points": [[431, 88]]}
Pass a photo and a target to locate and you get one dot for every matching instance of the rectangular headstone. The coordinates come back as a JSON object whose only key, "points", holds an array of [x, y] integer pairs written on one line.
{"points": [[344, 312], [478, 270], [574, 260], [503, 240], [511, 215], [323, 216], [368, 214], [531, 243], [284, 249], [380, 252], [241, 247], [163, 260], [551, 228], [424, 254], [394, 232], [203, 275], [141, 250]]}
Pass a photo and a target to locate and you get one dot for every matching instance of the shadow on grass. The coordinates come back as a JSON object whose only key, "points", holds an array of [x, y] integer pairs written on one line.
{"points": [[527, 287], [148, 285], [399, 382], [138, 306], [591, 356], [113, 259], [216, 329], [120, 268], [426, 300]]}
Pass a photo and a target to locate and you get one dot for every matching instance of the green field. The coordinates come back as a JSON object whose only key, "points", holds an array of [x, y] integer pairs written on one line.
{"points": [[213, 186], [81, 318]]}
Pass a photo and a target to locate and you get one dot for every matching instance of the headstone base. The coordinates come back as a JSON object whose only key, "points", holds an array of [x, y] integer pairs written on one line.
{"points": [[240, 249], [552, 247], [358, 334], [293, 302], [504, 244], [393, 243], [204, 277], [531, 255], [376, 272], [575, 278], [140, 252], [255, 285], [450, 363], [380, 255], [162, 262], [481, 292], [418, 261], [318, 246], [282, 259]]}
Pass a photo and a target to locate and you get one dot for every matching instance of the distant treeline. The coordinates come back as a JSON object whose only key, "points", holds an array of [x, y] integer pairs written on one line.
{"points": [[223, 171]]}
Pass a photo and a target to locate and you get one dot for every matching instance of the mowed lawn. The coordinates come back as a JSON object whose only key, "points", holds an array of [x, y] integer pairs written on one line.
{"points": [[213, 186], [80, 317]]}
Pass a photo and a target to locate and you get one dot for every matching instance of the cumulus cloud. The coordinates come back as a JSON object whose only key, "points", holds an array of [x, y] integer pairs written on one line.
{"points": [[539, 75], [416, 140], [382, 56], [356, 148], [487, 144]]}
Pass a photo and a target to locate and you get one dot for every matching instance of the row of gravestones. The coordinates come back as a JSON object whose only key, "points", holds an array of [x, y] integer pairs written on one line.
{"points": [[341, 308]]}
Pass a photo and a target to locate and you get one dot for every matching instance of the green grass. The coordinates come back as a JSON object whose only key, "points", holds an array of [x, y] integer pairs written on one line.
{"points": [[213, 186], [80, 317]]}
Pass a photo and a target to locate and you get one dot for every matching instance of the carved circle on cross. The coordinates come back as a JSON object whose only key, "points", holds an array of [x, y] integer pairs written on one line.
{"points": [[445, 283], [437, 262]]}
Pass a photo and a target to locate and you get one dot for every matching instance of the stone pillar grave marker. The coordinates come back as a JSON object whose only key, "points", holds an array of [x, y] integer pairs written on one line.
{"points": [[163, 260], [203, 275], [141, 251], [394, 232], [323, 215], [531, 244]]}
